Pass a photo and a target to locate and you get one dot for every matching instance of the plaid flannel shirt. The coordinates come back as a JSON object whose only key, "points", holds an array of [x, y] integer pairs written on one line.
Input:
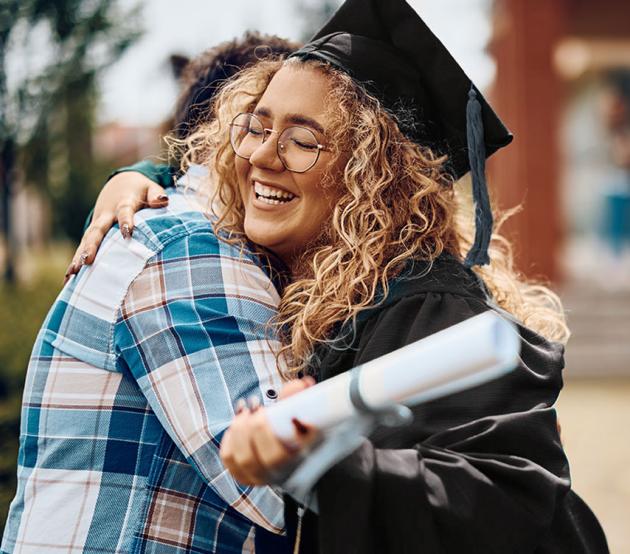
{"points": [[130, 386]]}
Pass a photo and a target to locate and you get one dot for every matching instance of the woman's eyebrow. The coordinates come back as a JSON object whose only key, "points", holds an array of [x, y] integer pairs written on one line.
{"points": [[262, 112], [299, 119], [295, 118]]}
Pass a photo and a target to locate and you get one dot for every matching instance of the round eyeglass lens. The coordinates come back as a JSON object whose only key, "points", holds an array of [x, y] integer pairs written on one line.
{"points": [[298, 148], [246, 134]]}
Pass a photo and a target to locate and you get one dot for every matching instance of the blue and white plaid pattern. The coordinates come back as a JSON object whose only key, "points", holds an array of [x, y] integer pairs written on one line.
{"points": [[130, 386]]}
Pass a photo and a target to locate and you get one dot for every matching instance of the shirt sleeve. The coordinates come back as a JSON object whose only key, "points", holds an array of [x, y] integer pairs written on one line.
{"points": [[162, 174], [192, 332]]}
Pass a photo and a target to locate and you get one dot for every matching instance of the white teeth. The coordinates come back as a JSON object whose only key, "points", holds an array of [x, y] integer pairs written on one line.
{"points": [[268, 193], [270, 201]]}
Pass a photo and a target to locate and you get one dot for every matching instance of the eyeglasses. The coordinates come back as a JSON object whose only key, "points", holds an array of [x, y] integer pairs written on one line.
{"points": [[297, 147]]}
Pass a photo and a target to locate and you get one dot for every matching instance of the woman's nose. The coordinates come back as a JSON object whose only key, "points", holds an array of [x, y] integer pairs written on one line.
{"points": [[266, 155]]}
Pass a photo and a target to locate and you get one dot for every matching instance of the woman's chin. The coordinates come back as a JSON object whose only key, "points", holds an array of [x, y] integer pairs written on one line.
{"points": [[270, 241]]}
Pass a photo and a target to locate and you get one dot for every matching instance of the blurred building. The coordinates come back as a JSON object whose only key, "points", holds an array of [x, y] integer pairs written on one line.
{"points": [[560, 86], [554, 66]]}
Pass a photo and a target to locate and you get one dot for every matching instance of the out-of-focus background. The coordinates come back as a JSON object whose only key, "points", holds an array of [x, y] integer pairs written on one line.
{"points": [[87, 86]]}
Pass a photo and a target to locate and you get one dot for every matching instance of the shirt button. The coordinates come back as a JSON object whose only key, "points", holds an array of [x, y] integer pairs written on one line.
{"points": [[271, 394]]}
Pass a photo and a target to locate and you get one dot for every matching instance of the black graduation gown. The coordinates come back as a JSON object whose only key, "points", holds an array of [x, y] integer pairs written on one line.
{"points": [[480, 471]]}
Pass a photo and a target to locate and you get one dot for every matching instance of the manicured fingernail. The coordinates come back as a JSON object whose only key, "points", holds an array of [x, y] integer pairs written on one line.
{"points": [[253, 402], [162, 197], [83, 258], [69, 273], [299, 426], [126, 231], [240, 405]]}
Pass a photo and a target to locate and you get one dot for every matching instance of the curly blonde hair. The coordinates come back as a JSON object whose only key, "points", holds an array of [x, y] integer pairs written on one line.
{"points": [[394, 202]]}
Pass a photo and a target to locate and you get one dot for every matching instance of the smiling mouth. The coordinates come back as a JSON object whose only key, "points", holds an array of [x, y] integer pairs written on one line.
{"points": [[272, 195]]}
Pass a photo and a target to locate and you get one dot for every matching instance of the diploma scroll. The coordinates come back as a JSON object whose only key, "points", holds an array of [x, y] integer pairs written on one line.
{"points": [[470, 353]]}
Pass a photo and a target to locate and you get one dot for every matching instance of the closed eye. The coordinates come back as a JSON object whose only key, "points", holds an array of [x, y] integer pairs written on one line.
{"points": [[305, 145]]}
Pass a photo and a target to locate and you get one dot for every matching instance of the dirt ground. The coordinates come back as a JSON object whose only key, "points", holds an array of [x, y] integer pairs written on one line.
{"points": [[595, 419]]}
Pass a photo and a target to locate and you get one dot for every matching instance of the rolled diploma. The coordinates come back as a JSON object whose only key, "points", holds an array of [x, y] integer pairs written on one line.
{"points": [[469, 353]]}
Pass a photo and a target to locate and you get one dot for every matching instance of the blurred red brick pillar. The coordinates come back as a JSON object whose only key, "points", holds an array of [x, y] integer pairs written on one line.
{"points": [[528, 96]]}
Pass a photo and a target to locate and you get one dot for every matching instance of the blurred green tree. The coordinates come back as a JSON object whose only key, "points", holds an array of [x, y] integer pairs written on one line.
{"points": [[24, 306], [51, 53]]}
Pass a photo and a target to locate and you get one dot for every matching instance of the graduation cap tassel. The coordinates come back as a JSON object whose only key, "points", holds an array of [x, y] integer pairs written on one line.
{"points": [[478, 254]]}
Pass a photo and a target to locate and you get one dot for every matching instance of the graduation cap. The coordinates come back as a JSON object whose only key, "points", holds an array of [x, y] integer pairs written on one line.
{"points": [[385, 45]]}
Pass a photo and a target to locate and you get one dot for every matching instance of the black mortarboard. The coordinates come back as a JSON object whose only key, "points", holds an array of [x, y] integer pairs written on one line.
{"points": [[387, 47]]}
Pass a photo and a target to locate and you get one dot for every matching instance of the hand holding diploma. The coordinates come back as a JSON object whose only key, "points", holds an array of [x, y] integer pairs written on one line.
{"points": [[346, 407], [252, 452]]}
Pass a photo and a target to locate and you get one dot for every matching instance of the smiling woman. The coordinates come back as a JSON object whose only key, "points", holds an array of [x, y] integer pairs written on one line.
{"points": [[373, 245], [294, 96], [340, 221]]}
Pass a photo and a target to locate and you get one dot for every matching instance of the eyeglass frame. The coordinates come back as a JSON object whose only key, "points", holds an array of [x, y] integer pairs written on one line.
{"points": [[268, 132]]}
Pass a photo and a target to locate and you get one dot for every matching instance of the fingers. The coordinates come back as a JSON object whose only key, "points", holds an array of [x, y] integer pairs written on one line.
{"points": [[270, 451], [92, 238], [156, 197], [296, 385], [122, 196], [103, 222], [124, 215], [79, 259], [237, 453], [250, 451]]}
